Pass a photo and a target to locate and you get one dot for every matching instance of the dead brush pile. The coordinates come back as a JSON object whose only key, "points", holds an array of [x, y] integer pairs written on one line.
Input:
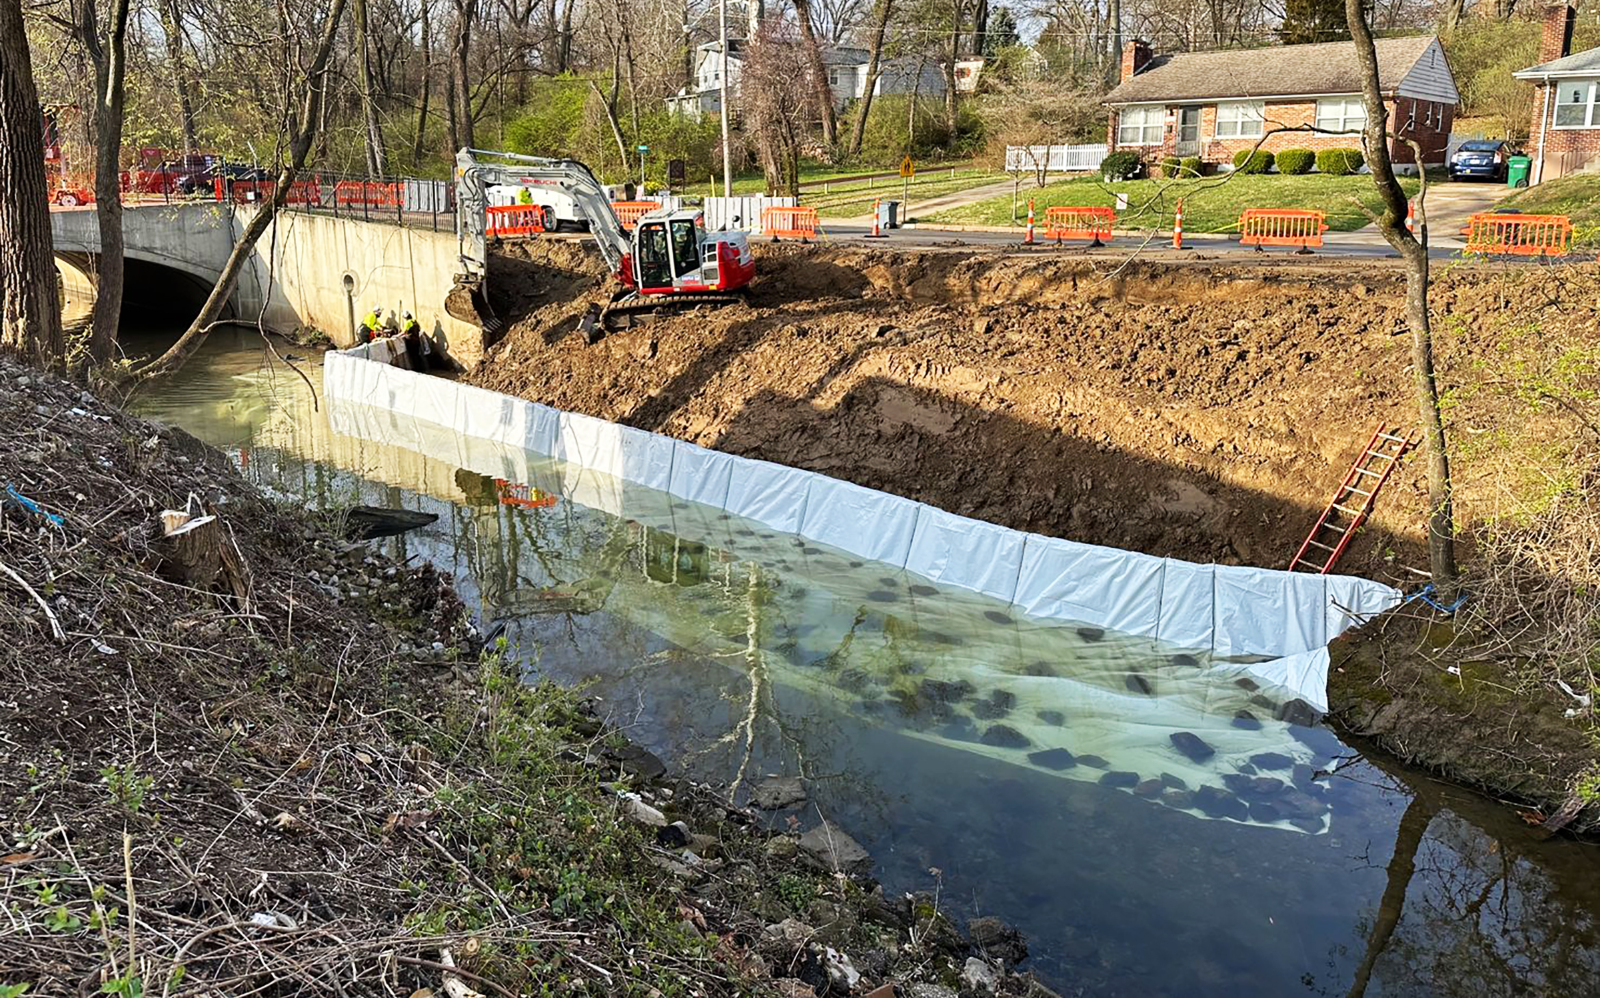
{"points": [[238, 786]]}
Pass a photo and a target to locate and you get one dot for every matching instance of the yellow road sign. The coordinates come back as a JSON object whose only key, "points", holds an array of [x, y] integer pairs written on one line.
{"points": [[907, 168]]}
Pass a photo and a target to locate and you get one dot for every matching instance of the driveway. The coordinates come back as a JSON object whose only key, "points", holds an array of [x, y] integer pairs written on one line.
{"points": [[1452, 202]]}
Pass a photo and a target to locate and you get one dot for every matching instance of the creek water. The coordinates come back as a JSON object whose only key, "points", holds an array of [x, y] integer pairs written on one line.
{"points": [[1017, 769]]}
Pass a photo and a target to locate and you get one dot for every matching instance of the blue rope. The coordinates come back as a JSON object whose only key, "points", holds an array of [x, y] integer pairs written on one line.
{"points": [[1422, 594], [31, 506]]}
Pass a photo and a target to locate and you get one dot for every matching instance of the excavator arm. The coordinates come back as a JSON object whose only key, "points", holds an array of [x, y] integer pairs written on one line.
{"points": [[478, 169]]}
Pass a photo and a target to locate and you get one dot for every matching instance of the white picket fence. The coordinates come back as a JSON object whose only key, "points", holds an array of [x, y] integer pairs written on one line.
{"points": [[1055, 159], [743, 212]]}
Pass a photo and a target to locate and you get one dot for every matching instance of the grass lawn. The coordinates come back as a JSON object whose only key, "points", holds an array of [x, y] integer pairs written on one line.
{"points": [[1210, 204], [853, 199], [1576, 197]]}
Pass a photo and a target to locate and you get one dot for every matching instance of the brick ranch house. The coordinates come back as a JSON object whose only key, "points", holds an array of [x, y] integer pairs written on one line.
{"points": [[1213, 104], [1565, 133]]}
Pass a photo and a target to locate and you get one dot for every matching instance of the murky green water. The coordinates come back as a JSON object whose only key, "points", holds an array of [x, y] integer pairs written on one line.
{"points": [[1033, 767]]}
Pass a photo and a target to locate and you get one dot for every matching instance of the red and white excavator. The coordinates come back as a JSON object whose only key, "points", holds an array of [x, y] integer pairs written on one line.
{"points": [[669, 260]]}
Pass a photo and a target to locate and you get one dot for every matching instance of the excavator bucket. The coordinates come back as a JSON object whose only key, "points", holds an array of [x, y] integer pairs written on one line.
{"points": [[469, 302], [589, 325]]}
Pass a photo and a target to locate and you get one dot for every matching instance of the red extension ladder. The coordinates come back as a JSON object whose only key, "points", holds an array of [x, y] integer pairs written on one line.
{"points": [[1352, 501]]}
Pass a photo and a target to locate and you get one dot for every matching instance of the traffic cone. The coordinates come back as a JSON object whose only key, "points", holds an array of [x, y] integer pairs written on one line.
{"points": [[876, 233], [1411, 217], [1177, 227], [1028, 240]]}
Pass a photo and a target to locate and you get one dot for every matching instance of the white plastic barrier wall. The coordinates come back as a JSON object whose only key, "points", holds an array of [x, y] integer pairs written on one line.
{"points": [[1277, 622]]}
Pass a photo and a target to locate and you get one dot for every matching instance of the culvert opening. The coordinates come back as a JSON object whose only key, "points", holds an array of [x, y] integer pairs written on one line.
{"points": [[160, 301]]}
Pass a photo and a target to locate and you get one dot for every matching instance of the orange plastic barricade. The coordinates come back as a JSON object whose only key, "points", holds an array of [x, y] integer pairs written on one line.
{"points": [[1260, 227], [1519, 235], [789, 223], [366, 193], [629, 212], [524, 496], [513, 220], [1093, 224]]}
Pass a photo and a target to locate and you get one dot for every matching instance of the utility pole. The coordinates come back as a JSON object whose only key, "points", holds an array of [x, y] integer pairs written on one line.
{"points": [[722, 79]]}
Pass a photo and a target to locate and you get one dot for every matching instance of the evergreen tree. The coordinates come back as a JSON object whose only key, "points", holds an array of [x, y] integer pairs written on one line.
{"points": [[1314, 21], [1001, 32]]}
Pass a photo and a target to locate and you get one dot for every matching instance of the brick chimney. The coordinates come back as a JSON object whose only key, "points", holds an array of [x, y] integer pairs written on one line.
{"points": [[1556, 40], [1136, 55]]}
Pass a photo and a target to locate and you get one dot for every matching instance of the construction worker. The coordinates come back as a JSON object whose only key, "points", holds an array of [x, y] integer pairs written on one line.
{"points": [[524, 196], [372, 326], [418, 348]]}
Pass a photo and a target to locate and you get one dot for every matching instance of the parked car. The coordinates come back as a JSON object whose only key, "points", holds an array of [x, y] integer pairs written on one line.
{"points": [[1485, 158], [205, 180]]}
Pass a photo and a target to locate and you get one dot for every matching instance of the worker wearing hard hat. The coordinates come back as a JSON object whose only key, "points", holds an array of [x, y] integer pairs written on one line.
{"points": [[418, 348], [372, 326]]}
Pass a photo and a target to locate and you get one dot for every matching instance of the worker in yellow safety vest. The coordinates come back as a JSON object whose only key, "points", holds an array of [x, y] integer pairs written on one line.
{"points": [[524, 196], [371, 327], [418, 348]]}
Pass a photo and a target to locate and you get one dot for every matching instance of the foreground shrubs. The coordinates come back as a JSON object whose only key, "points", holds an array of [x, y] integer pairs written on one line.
{"points": [[1259, 161], [1339, 162], [1295, 162], [1122, 166]]}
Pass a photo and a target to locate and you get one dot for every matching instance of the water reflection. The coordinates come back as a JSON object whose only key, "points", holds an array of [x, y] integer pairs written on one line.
{"points": [[736, 654]]}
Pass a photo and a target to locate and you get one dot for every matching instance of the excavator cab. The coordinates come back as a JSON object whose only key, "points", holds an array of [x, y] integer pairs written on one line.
{"points": [[667, 254]]}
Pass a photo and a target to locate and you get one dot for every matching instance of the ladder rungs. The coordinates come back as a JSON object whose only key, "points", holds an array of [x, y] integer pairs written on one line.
{"points": [[1369, 474], [1359, 492], [1398, 440], [1319, 544], [1379, 453], [1347, 509], [1334, 526]]}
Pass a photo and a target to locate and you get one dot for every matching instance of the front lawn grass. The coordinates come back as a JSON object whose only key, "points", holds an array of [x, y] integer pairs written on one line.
{"points": [[1577, 197], [1210, 204]]}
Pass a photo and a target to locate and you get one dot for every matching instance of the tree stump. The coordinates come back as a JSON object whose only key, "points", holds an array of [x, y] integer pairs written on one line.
{"points": [[191, 548]]}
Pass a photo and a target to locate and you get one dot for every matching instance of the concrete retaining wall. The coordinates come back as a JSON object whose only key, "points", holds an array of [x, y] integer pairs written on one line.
{"points": [[326, 272]]}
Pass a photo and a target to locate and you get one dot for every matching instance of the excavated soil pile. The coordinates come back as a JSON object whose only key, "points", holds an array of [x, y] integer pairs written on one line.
{"points": [[1201, 412]]}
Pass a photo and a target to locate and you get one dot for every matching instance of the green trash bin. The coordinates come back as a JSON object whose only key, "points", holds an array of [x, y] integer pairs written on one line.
{"points": [[1517, 170]]}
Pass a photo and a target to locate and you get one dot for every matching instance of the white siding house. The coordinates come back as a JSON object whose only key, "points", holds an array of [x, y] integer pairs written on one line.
{"points": [[847, 77]]}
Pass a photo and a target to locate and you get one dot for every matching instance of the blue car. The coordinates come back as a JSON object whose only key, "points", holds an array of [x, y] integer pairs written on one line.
{"points": [[1479, 159]]}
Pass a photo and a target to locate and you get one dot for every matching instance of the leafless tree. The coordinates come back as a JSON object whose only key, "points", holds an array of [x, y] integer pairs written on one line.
{"points": [[301, 132], [882, 12], [775, 110], [1414, 253], [377, 164], [30, 308], [818, 74]]}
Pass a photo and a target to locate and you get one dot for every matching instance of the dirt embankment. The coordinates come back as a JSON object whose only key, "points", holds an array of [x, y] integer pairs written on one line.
{"points": [[1205, 412], [297, 776]]}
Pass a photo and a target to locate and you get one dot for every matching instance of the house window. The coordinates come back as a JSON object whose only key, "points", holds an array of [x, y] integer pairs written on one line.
{"points": [[1341, 114], [1141, 126], [1576, 102], [1240, 120]]}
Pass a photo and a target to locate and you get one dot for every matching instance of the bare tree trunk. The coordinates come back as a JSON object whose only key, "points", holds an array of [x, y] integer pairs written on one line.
{"points": [[376, 161], [106, 48], [1451, 18], [302, 134], [1113, 51], [956, 11], [819, 73], [466, 13], [1441, 522], [880, 30], [564, 59], [30, 308], [427, 84], [172, 27], [450, 111]]}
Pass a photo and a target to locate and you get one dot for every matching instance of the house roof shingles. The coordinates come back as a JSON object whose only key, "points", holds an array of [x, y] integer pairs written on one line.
{"points": [[1579, 63], [1287, 70]]}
